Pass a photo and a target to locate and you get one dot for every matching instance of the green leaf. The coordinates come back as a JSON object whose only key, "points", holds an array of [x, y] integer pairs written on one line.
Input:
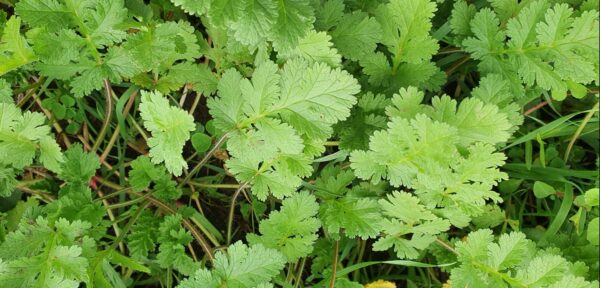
{"points": [[170, 127], [14, 50], [543, 270], [198, 76], [542, 49], [436, 157], [241, 267], [172, 239], [292, 229], [475, 121], [315, 47], [163, 44], [295, 18], [5, 92], [143, 173], [103, 19], [22, 135], [494, 89], [201, 142], [197, 7], [510, 251], [143, 236], [513, 261], [542, 190], [405, 27], [366, 117], [462, 13], [356, 35], [592, 232], [51, 14], [256, 21], [329, 14], [43, 254], [592, 197], [355, 217], [79, 166], [77, 41], [405, 216], [279, 121], [124, 261]]}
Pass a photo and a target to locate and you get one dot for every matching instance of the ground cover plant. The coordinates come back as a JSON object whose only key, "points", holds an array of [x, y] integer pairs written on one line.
{"points": [[299, 143]]}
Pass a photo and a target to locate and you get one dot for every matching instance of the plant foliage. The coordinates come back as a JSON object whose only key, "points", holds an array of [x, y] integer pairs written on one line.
{"points": [[299, 143]]}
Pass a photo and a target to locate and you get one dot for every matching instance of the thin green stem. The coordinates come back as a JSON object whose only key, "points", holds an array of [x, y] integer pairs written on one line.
{"points": [[335, 263], [216, 186], [204, 230], [290, 273], [361, 252], [446, 245], [25, 183], [115, 135], [195, 104], [107, 116], [208, 155], [44, 196], [299, 273], [166, 208], [30, 91], [116, 193], [125, 230], [232, 210], [586, 119], [130, 202]]}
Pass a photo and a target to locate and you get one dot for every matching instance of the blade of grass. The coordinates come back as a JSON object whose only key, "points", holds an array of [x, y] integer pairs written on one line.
{"points": [[561, 215]]}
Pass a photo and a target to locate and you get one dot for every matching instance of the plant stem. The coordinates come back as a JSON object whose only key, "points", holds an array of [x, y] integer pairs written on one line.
{"points": [[208, 155], [24, 183], [44, 196], [55, 124], [130, 202], [196, 101], [216, 186], [587, 119], [191, 249], [335, 262], [166, 208], [535, 108], [232, 210], [107, 116], [111, 142], [361, 251], [300, 271], [129, 225], [446, 245], [457, 64], [30, 91], [115, 135]]}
